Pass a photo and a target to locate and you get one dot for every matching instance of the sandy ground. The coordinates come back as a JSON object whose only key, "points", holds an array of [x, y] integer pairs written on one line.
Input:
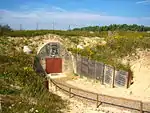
{"points": [[81, 106], [139, 90]]}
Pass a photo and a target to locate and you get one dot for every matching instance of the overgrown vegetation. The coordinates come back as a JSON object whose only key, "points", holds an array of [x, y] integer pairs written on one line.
{"points": [[116, 48], [32, 33], [104, 34], [122, 40], [21, 88]]}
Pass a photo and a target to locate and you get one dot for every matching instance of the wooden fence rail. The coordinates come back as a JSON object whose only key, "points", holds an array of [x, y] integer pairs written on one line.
{"points": [[100, 98]]}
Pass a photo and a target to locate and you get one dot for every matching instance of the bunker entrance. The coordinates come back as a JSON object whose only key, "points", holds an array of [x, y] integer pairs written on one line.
{"points": [[53, 58]]}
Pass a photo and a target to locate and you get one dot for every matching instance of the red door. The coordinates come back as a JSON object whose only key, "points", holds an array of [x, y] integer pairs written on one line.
{"points": [[53, 65]]}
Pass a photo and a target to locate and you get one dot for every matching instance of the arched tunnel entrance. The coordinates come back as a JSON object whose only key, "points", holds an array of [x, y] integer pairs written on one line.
{"points": [[53, 58]]}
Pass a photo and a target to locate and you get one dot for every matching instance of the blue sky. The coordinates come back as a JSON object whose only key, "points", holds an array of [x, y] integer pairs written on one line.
{"points": [[76, 13]]}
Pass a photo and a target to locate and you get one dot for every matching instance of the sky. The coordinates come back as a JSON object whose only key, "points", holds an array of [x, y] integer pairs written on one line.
{"points": [[46, 14]]}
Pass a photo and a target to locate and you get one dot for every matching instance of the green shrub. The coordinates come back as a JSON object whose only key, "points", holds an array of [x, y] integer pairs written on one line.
{"points": [[17, 70]]}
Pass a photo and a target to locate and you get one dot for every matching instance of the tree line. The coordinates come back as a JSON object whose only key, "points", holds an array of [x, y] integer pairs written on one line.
{"points": [[115, 27], [4, 28]]}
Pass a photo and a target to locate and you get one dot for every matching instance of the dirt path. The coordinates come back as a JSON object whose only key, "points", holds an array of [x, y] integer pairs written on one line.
{"points": [[108, 108], [79, 105]]}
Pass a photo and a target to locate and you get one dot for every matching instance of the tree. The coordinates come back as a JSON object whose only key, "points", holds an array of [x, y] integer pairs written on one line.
{"points": [[113, 27], [4, 28]]}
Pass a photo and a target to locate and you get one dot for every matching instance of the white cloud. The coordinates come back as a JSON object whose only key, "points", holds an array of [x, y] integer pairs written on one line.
{"points": [[143, 2], [62, 18], [58, 9]]}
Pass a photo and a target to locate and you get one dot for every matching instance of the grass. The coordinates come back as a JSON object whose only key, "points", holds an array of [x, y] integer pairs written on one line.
{"points": [[28, 92], [117, 47], [104, 34], [32, 33], [119, 44]]}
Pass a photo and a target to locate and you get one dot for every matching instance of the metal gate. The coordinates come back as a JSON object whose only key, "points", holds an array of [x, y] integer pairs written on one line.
{"points": [[53, 65]]}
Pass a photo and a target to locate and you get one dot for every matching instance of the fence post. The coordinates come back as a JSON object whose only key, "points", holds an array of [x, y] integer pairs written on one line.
{"points": [[97, 100], [141, 107], [46, 84], [70, 92], [129, 79], [113, 78]]}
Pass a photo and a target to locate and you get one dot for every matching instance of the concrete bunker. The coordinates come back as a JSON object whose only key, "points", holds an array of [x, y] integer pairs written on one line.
{"points": [[53, 58]]}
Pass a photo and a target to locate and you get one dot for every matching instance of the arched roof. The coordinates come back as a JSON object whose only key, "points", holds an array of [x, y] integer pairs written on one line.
{"points": [[45, 43]]}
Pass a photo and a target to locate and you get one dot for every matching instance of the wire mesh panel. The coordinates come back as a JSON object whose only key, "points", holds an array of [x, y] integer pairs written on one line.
{"points": [[91, 70], [121, 78], [84, 66], [100, 71], [108, 75]]}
